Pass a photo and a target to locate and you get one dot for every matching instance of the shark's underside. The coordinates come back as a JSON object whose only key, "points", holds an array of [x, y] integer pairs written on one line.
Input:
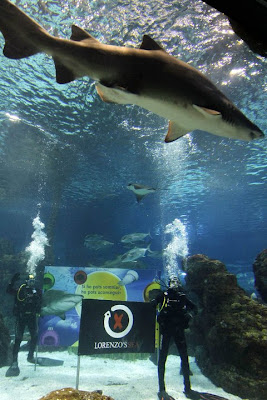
{"points": [[146, 76]]}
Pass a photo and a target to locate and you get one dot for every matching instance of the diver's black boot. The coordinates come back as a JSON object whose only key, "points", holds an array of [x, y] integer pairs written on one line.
{"points": [[13, 370], [192, 394], [163, 395], [181, 372], [31, 358]]}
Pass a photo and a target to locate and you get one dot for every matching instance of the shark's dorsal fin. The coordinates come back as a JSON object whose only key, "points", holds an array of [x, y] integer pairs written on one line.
{"points": [[174, 132], [149, 44], [79, 34]]}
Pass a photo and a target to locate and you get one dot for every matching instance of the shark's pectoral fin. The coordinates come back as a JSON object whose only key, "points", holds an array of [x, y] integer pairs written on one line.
{"points": [[63, 74], [139, 197], [115, 94], [149, 44], [104, 96], [207, 112], [174, 132]]}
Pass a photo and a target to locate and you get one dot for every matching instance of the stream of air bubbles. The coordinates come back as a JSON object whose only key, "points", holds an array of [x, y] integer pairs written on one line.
{"points": [[177, 248], [36, 249]]}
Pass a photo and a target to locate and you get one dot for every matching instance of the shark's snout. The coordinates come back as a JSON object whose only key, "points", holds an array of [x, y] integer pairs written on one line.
{"points": [[256, 134]]}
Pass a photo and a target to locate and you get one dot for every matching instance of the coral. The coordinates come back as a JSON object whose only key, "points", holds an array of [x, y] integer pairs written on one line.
{"points": [[229, 332], [260, 273], [73, 394]]}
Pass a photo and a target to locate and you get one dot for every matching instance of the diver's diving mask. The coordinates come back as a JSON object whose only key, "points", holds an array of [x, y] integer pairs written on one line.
{"points": [[174, 283], [31, 281]]}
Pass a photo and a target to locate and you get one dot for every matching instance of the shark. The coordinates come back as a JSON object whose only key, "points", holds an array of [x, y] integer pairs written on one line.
{"points": [[146, 76], [58, 302], [134, 254], [132, 238], [140, 191]]}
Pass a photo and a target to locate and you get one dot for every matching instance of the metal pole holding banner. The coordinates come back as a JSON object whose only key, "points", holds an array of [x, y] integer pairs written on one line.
{"points": [[36, 355], [36, 348], [78, 373]]}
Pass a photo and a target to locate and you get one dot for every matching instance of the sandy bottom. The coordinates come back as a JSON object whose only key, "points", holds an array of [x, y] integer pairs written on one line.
{"points": [[120, 379]]}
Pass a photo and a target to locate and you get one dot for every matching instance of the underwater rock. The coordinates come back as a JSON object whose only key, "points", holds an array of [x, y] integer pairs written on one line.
{"points": [[4, 343], [248, 21], [10, 262], [73, 394], [229, 333], [260, 273]]}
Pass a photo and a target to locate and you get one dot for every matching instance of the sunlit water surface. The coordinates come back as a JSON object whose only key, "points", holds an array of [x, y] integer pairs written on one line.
{"points": [[65, 153]]}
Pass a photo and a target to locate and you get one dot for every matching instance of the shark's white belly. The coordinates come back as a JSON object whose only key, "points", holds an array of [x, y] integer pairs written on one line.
{"points": [[184, 115]]}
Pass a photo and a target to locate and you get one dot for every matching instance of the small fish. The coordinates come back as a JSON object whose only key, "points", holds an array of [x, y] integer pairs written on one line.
{"points": [[146, 76], [155, 253], [140, 191], [134, 237], [134, 254], [93, 237], [130, 277], [100, 245], [57, 302], [96, 242]]}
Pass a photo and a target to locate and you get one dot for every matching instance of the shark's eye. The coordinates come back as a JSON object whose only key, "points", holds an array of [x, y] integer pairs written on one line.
{"points": [[253, 135], [256, 134]]}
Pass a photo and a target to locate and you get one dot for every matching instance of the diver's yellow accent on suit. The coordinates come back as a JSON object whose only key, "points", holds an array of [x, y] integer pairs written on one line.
{"points": [[19, 292], [163, 304]]}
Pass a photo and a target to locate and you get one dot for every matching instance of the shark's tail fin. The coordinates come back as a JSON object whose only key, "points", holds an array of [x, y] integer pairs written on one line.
{"points": [[18, 30]]}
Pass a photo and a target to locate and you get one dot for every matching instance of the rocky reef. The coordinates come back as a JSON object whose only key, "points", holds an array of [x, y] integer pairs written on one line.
{"points": [[260, 273], [10, 262], [73, 394], [229, 333]]}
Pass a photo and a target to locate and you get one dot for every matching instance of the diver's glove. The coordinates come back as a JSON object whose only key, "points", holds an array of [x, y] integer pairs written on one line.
{"points": [[15, 278], [153, 296]]}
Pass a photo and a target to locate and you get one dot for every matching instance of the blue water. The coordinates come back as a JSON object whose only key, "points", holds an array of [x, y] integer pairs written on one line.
{"points": [[62, 149]]}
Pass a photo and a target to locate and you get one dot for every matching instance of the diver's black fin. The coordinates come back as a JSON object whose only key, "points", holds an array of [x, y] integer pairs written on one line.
{"points": [[48, 362], [13, 370], [164, 396], [194, 395], [210, 396]]}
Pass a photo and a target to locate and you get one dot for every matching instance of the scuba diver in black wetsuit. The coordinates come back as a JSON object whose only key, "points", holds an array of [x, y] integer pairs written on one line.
{"points": [[173, 319], [27, 308]]}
